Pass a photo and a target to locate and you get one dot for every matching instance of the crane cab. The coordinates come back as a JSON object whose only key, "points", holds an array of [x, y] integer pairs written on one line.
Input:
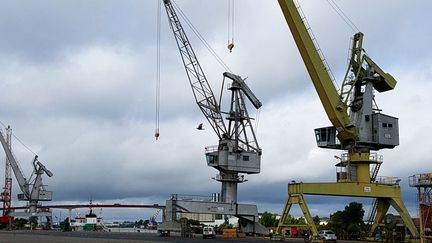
{"points": [[42, 196], [224, 157], [384, 133]]}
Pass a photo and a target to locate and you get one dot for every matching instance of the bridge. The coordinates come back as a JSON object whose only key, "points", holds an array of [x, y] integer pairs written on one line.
{"points": [[74, 206], [89, 205]]}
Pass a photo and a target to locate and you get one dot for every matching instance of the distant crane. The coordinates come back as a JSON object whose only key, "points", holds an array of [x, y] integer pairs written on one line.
{"points": [[33, 190], [152, 221], [359, 127]]}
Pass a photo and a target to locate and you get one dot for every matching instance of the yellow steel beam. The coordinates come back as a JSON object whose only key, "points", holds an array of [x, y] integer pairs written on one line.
{"points": [[386, 82], [350, 189], [383, 206], [334, 107], [297, 199], [398, 204], [285, 213]]}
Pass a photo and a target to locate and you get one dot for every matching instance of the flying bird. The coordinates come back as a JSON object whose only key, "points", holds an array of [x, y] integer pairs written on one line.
{"points": [[200, 127]]}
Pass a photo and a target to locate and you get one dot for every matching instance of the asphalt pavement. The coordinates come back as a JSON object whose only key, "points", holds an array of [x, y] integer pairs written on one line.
{"points": [[35, 236]]}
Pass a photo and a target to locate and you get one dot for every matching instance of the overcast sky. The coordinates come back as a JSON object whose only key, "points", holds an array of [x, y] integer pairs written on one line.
{"points": [[78, 88]]}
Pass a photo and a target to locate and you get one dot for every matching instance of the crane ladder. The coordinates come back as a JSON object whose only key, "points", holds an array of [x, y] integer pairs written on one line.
{"points": [[315, 42], [375, 172], [372, 214]]}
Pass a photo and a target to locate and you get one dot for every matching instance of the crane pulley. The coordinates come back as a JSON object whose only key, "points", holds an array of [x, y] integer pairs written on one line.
{"points": [[230, 25], [158, 71]]}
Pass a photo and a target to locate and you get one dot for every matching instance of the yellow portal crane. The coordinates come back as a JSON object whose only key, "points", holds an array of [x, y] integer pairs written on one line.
{"points": [[358, 127]]}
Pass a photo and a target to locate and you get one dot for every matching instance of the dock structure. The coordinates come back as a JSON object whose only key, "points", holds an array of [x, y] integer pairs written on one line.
{"points": [[423, 183]]}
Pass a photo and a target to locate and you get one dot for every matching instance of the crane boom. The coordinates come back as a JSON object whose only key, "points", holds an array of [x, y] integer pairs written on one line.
{"points": [[336, 110], [246, 90], [201, 89], [22, 181]]}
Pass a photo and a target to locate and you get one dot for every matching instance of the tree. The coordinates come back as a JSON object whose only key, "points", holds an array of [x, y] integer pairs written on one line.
{"points": [[354, 218], [354, 213], [20, 223], [193, 222], [268, 220], [223, 226], [316, 219], [336, 223], [33, 220], [146, 222], [139, 223], [349, 222], [65, 226], [295, 221]]}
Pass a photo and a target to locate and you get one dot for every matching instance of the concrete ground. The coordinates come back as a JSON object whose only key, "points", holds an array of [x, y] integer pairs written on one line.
{"points": [[103, 237], [110, 237]]}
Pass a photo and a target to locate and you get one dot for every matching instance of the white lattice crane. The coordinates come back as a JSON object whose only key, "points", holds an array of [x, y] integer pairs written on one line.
{"points": [[238, 150]]}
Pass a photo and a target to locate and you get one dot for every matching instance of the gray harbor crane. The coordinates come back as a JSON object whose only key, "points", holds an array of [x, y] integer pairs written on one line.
{"points": [[237, 152], [33, 190]]}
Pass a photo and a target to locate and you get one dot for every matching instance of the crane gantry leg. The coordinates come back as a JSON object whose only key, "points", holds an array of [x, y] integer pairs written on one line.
{"points": [[297, 198], [386, 194]]}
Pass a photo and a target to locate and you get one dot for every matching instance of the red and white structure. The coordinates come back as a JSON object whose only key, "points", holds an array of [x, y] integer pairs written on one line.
{"points": [[6, 195]]}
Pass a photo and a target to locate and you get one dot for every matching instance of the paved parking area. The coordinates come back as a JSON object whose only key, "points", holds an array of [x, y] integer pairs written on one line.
{"points": [[27, 236]]}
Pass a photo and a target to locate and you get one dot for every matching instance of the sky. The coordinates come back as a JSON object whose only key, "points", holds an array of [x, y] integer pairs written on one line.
{"points": [[78, 81]]}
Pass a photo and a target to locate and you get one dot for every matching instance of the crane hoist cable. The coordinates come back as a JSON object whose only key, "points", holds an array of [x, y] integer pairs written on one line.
{"points": [[200, 37], [257, 120], [25, 146], [316, 44], [343, 16], [158, 70], [230, 25]]}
